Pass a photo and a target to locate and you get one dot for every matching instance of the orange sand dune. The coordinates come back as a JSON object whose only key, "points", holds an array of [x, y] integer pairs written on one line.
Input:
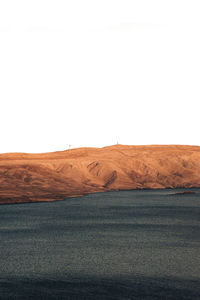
{"points": [[58, 175]]}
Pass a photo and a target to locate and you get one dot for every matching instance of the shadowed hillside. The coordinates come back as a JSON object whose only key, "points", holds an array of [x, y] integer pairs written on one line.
{"points": [[57, 175]]}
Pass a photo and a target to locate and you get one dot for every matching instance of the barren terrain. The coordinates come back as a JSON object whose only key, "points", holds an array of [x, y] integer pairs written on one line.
{"points": [[58, 175]]}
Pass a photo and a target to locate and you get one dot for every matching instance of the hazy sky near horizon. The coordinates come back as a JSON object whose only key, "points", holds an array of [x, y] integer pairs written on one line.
{"points": [[94, 73]]}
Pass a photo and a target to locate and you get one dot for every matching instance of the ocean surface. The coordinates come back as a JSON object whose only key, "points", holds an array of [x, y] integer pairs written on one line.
{"points": [[114, 245]]}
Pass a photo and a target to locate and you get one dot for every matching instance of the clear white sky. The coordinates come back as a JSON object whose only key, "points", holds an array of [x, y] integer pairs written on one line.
{"points": [[91, 73]]}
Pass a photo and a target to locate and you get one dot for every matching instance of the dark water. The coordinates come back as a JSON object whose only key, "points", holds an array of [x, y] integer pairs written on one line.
{"points": [[115, 245]]}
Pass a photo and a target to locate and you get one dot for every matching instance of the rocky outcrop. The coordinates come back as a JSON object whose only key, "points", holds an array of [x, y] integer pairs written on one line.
{"points": [[58, 175]]}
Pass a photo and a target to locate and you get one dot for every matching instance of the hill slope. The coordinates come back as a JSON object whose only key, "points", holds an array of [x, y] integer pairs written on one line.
{"points": [[57, 175]]}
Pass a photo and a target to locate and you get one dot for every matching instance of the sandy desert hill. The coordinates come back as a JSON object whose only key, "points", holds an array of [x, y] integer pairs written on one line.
{"points": [[58, 175]]}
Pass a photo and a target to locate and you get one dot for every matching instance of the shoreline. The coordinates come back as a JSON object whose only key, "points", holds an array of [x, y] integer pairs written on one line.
{"points": [[108, 191]]}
